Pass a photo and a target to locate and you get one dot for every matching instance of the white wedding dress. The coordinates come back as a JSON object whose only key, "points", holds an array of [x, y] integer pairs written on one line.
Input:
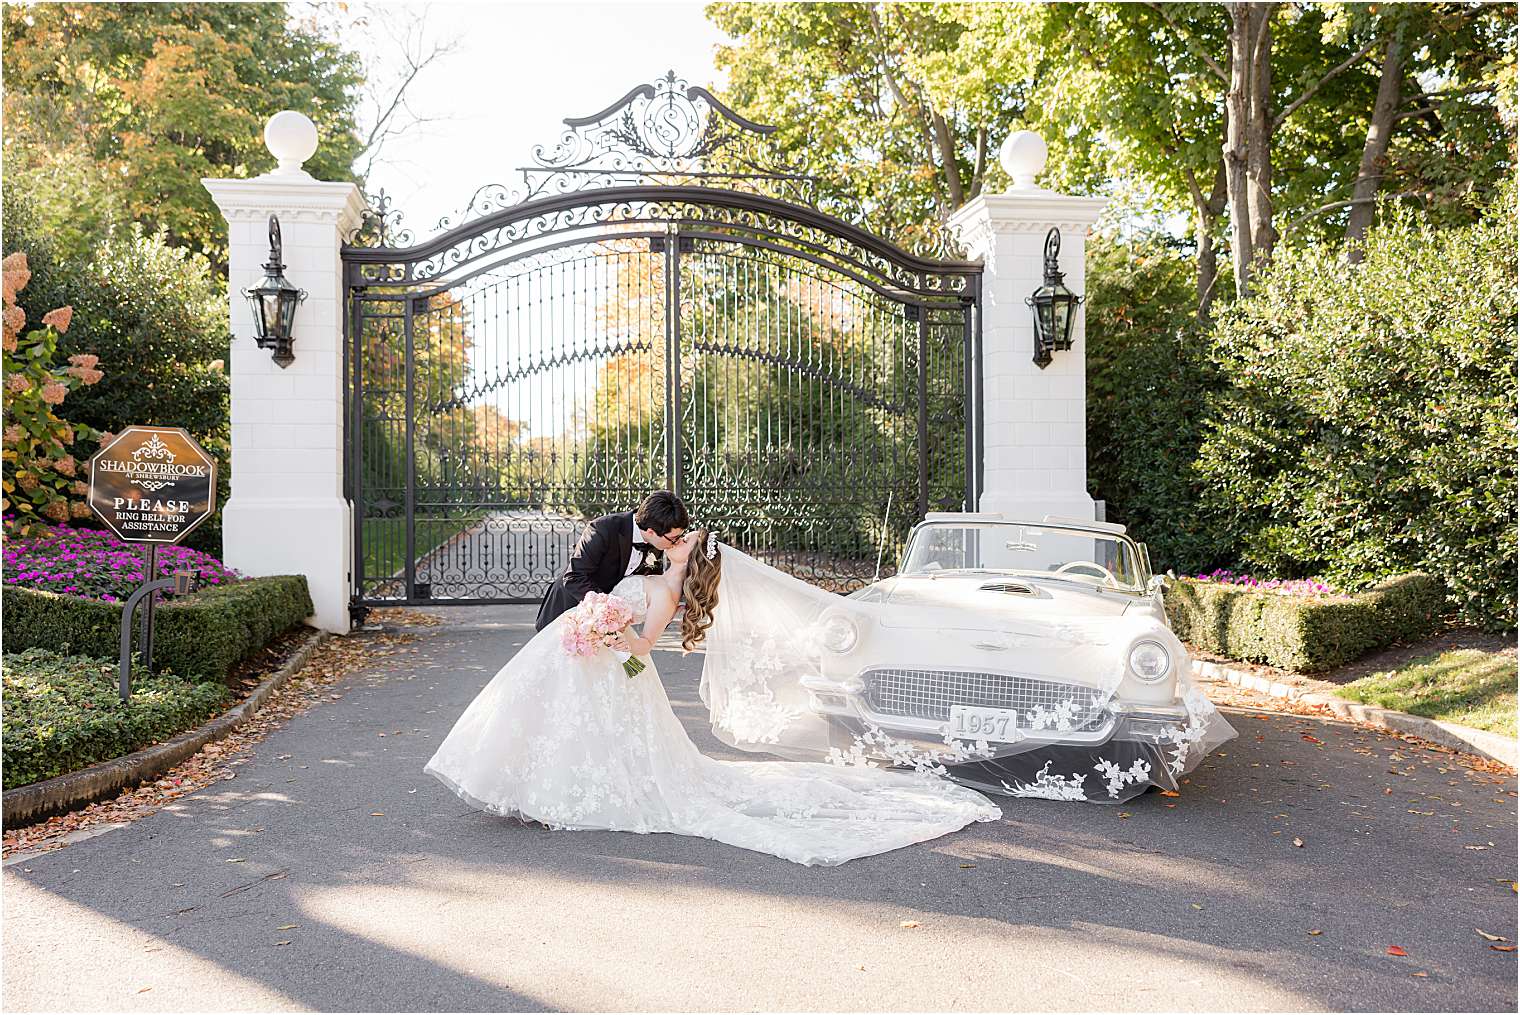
{"points": [[576, 744]]}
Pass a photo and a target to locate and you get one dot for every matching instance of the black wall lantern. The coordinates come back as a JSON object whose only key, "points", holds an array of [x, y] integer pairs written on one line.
{"points": [[1055, 306], [274, 303]]}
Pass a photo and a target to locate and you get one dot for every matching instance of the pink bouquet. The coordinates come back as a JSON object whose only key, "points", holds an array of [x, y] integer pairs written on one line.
{"points": [[595, 625]]}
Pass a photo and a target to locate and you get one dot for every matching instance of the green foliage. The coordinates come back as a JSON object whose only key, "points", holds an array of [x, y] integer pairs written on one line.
{"points": [[1368, 428], [199, 636], [63, 713], [133, 103], [1305, 634], [1147, 373], [154, 317]]}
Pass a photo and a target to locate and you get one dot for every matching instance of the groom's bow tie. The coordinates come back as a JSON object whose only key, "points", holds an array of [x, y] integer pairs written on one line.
{"points": [[644, 547]]}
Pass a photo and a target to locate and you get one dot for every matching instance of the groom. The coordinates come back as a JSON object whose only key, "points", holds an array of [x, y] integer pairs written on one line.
{"points": [[614, 546]]}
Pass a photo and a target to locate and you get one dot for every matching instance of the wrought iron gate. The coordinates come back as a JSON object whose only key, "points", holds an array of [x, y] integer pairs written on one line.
{"points": [[624, 324]]}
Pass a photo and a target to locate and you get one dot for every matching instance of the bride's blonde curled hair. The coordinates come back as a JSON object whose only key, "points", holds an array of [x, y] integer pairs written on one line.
{"points": [[700, 590]]}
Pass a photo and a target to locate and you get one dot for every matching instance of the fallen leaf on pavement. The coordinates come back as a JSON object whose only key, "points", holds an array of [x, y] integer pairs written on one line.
{"points": [[1298, 842], [1170, 792], [1315, 933], [279, 943], [908, 924], [1502, 948], [1419, 974], [377, 814], [1485, 935], [288, 926], [1124, 814], [1312, 740], [967, 866], [142, 990], [1396, 950]]}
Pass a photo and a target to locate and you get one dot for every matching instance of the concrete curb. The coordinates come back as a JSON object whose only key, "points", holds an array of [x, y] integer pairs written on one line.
{"points": [[28, 804], [1494, 746]]}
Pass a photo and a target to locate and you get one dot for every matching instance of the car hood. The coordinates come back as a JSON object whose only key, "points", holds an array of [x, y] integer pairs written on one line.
{"points": [[962, 602]]}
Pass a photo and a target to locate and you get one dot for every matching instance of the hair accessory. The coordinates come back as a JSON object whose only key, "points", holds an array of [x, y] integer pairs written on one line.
{"points": [[712, 545]]}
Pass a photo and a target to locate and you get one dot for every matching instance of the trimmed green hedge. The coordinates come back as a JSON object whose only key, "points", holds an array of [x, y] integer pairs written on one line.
{"points": [[1303, 633], [199, 636], [62, 713], [1368, 426]]}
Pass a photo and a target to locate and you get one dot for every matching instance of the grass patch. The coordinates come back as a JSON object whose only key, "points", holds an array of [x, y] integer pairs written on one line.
{"points": [[385, 540], [62, 713], [1470, 686]]}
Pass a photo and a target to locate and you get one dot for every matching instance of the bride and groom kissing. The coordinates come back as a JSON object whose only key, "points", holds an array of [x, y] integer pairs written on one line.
{"points": [[567, 740], [615, 546]]}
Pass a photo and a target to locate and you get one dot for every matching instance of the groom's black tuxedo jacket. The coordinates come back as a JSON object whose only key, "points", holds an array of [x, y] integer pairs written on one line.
{"points": [[597, 564]]}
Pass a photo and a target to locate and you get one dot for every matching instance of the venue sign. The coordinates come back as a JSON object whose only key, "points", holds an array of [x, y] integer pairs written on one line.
{"points": [[152, 484]]}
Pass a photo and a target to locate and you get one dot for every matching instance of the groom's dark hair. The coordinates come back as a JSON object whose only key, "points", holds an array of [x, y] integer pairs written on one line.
{"points": [[660, 512]]}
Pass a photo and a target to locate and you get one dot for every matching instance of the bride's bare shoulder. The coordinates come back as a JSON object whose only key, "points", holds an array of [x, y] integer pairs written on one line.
{"points": [[656, 591]]}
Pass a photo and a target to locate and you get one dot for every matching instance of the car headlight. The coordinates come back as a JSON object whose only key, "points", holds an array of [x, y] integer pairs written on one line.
{"points": [[1150, 661], [838, 634]]}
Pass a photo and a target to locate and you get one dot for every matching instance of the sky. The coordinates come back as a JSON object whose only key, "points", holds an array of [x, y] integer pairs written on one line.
{"points": [[518, 71]]}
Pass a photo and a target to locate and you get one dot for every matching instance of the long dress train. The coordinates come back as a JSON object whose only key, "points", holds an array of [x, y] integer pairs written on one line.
{"points": [[574, 743]]}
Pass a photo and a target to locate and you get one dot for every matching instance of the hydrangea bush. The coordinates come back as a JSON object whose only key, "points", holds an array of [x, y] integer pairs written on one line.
{"points": [[41, 478], [1291, 586], [96, 565]]}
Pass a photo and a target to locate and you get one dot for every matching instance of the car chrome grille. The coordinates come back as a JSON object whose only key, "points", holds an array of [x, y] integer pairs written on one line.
{"points": [[929, 694]]}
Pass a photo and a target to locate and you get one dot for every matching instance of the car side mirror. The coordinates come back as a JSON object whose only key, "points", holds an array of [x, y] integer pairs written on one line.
{"points": [[1156, 584]]}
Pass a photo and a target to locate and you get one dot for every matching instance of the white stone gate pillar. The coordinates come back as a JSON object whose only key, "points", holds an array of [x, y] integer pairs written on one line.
{"points": [[287, 513], [1034, 425]]}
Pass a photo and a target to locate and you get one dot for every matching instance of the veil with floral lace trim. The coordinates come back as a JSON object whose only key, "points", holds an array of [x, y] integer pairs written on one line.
{"points": [[793, 670]]}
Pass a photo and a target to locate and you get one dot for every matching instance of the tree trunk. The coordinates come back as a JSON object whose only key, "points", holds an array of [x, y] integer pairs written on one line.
{"points": [[1235, 112], [1259, 140], [1248, 139], [945, 140], [1206, 212], [1369, 175]]}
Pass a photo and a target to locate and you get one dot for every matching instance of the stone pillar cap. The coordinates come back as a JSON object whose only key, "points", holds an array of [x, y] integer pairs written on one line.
{"points": [[291, 138], [1023, 154]]}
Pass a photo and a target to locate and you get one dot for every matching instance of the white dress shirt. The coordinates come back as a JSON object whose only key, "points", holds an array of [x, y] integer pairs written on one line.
{"points": [[635, 557]]}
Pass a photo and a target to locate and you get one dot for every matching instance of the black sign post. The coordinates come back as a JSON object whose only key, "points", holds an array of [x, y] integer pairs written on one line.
{"points": [[153, 485]]}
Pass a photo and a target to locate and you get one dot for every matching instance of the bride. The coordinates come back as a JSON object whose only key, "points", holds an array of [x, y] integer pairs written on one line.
{"points": [[574, 743]]}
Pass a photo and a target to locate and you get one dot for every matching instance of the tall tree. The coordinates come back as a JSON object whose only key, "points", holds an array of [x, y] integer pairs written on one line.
{"points": [[138, 101]]}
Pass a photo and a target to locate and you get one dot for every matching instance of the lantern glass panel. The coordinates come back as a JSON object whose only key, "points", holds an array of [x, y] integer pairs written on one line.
{"points": [[288, 301], [1061, 319], [269, 310]]}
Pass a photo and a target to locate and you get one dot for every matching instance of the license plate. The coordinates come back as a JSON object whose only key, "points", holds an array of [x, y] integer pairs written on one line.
{"points": [[998, 724]]}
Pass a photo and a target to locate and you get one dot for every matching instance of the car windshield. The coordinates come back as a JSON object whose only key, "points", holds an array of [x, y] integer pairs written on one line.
{"points": [[1035, 551]]}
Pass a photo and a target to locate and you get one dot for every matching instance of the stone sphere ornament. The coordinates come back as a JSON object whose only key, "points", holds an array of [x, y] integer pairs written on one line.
{"points": [[291, 138], [1023, 155]]}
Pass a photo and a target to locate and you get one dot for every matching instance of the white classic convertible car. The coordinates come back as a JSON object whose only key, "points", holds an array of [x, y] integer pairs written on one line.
{"points": [[1039, 651]]}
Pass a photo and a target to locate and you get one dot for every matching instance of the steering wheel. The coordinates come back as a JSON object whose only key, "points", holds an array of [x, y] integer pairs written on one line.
{"points": [[1103, 572]]}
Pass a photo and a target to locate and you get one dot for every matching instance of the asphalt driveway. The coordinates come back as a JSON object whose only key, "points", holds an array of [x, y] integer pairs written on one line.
{"points": [[332, 874]]}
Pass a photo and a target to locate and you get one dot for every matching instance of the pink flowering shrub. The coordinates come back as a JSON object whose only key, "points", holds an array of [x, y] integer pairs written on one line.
{"points": [[96, 565], [40, 478], [1290, 586]]}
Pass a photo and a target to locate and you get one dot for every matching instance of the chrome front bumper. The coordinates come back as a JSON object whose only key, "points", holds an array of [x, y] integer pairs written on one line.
{"points": [[924, 717]]}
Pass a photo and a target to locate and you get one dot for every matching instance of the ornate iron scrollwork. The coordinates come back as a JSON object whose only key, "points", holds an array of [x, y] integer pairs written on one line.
{"points": [[661, 303]]}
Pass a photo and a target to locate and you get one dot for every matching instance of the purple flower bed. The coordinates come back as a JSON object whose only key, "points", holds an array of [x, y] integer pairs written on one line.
{"points": [[94, 564], [1291, 586]]}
